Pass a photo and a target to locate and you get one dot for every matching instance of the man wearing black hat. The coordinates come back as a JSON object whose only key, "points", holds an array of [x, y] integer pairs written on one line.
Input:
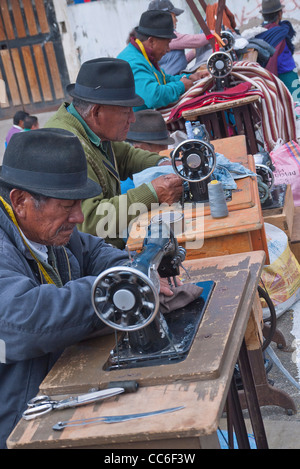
{"points": [[279, 34], [149, 132], [47, 267], [100, 115], [153, 35], [183, 46]]}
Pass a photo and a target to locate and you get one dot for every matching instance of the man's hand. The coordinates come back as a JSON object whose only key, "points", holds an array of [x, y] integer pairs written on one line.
{"points": [[188, 83], [166, 288], [199, 75], [168, 188]]}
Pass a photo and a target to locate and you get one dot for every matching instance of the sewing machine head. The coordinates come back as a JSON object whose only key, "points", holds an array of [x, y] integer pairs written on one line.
{"points": [[271, 195], [220, 63], [194, 161], [127, 299]]}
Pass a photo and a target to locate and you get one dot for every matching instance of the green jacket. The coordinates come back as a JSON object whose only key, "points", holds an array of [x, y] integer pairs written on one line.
{"points": [[107, 214]]}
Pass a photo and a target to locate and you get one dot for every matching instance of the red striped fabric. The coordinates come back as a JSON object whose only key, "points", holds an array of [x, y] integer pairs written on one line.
{"points": [[276, 104]]}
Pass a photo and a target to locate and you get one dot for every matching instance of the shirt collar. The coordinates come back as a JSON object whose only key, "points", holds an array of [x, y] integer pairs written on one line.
{"points": [[40, 250], [91, 135]]}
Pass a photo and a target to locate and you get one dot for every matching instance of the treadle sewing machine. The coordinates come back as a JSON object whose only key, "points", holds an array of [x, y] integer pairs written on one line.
{"points": [[126, 298]]}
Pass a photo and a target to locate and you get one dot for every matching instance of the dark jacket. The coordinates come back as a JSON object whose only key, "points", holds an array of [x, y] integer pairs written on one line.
{"points": [[37, 322]]}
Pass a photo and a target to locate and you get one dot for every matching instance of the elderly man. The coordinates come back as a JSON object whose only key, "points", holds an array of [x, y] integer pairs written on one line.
{"points": [[279, 34], [100, 115], [153, 36], [47, 267]]}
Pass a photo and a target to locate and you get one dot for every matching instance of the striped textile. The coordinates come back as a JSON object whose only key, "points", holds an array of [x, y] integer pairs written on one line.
{"points": [[276, 107]]}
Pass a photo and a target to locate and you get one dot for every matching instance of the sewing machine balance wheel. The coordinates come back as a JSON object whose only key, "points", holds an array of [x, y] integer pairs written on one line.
{"points": [[219, 64], [228, 39], [198, 160], [124, 298]]}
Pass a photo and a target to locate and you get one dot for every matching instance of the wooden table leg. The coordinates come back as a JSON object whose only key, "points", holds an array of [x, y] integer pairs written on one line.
{"points": [[252, 398]]}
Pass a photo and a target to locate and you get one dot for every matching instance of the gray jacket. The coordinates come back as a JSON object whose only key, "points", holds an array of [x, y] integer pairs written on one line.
{"points": [[38, 321]]}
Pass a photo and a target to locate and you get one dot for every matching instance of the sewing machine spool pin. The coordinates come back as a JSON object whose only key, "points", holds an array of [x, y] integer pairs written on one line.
{"points": [[198, 161]]}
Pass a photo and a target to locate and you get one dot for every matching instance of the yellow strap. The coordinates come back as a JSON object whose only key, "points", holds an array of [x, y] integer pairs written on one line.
{"points": [[13, 218], [141, 46]]}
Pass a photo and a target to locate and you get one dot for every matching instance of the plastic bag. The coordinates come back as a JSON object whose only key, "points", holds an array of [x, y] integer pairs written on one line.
{"points": [[281, 278], [286, 160]]}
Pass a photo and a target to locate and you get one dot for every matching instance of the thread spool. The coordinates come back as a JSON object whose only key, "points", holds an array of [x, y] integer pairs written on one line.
{"points": [[217, 201]]}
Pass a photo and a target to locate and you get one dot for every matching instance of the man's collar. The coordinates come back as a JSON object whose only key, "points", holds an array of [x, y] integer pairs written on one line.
{"points": [[92, 136]]}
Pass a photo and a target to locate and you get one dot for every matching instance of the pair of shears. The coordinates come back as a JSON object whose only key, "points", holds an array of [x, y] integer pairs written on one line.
{"points": [[41, 405]]}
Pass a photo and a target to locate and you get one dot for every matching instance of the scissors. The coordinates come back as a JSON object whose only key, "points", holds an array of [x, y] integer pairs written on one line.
{"points": [[41, 405]]}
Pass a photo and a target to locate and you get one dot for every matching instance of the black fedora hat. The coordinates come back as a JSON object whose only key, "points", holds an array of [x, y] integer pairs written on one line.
{"points": [[271, 6], [49, 162], [149, 127], [164, 5], [106, 81], [156, 23]]}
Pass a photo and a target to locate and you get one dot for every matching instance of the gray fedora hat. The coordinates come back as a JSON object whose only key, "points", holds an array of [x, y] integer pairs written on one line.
{"points": [[149, 127], [271, 6], [106, 81], [49, 162], [164, 5], [156, 23]]}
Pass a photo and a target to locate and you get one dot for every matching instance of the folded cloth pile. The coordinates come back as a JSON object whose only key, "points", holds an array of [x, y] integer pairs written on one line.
{"points": [[228, 94], [277, 105], [183, 295]]}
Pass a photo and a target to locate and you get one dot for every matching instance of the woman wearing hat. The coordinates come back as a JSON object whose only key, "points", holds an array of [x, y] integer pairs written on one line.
{"points": [[153, 35], [279, 34]]}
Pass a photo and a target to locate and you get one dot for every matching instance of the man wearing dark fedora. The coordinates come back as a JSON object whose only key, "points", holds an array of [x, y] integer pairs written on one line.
{"points": [[153, 35], [47, 267], [100, 115], [149, 132], [279, 34], [183, 47]]}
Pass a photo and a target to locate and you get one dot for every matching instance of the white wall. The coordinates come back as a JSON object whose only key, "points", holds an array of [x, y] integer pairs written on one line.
{"points": [[101, 28]]}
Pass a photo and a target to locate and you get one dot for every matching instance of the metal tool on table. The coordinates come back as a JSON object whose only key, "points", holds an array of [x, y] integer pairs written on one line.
{"points": [[127, 299], [41, 405], [112, 419]]}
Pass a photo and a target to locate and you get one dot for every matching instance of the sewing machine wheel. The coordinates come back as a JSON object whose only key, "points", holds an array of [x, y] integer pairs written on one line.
{"points": [[198, 160], [219, 64], [125, 298], [228, 39], [266, 174]]}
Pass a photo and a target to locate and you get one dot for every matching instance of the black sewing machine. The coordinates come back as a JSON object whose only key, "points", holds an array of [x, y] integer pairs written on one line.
{"points": [[271, 195], [194, 161], [220, 63], [127, 299]]}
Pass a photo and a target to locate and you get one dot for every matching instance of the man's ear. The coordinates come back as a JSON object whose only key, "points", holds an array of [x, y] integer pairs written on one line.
{"points": [[20, 201]]}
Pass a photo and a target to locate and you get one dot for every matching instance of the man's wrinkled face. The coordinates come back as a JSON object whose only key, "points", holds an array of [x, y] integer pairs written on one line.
{"points": [[159, 47], [50, 222], [113, 122]]}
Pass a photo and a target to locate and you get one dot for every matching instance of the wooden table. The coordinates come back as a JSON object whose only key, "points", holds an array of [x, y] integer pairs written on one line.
{"points": [[214, 118], [205, 236], [203, 393]]}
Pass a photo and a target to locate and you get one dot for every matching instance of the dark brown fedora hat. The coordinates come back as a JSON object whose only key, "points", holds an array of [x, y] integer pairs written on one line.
{"points": [[106, 81], [149, 127], [49, 162], [156, 23]]}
